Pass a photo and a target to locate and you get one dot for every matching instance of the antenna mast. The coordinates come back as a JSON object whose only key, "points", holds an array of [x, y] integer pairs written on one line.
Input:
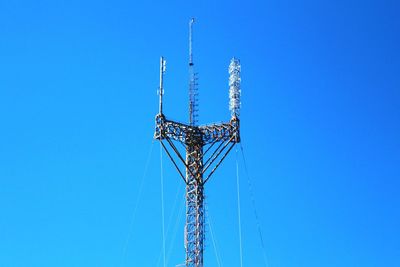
{"points": [[190, 42], [205, 147], [193, 106]]}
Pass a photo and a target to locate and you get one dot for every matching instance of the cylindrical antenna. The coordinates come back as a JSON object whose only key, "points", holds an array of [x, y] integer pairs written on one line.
{"points": [[234, 87], [161, 89]]}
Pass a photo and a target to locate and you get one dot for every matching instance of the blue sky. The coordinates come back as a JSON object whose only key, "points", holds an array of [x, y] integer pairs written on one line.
{"points": [[320, 131]]}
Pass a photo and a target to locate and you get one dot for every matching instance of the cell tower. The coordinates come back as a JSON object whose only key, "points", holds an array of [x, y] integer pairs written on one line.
{"points": [[206, 147]]}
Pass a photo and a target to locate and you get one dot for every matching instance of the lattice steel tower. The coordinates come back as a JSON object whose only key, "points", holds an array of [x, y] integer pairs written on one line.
{"points": [[206, 147]]}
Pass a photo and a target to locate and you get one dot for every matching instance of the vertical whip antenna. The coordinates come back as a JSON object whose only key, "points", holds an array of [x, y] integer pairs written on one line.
{"points": [[234, 87], [161, 89], [193, 106], [191, 41]]}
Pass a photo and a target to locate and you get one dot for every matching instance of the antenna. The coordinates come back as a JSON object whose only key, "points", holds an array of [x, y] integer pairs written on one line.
{"points": [[192, 80], [234, 87], [161, 89], [190, 41]]}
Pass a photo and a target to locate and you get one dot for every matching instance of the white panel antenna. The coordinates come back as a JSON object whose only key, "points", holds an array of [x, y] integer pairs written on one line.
{"points": [[234, 87]]}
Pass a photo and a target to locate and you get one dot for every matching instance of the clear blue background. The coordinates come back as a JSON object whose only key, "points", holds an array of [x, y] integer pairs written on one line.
{"points": [[320, 129]]}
